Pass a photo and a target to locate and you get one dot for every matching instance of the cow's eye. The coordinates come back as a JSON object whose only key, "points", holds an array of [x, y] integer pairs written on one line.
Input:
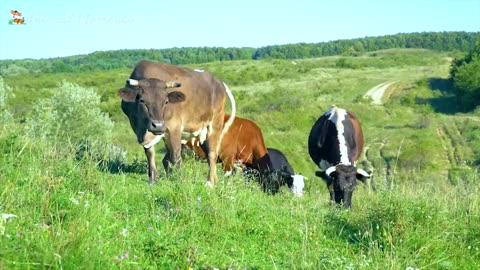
{"points": [[141, 100]]}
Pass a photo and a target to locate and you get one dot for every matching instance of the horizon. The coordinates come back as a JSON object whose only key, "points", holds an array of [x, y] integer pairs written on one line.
{"points": [[66, 29]]}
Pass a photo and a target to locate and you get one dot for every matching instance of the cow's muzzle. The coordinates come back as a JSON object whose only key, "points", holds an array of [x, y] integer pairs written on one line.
{"points": [[157, 127]]}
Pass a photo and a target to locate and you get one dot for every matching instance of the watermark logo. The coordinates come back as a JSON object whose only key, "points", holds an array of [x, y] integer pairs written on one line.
{"points": [[17, 18]]}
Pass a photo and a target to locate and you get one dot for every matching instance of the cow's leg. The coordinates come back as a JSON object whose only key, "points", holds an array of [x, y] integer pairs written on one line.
{"points": [[212, 142], [173, 157], [166, 162], [152, 169], [228, 166]]}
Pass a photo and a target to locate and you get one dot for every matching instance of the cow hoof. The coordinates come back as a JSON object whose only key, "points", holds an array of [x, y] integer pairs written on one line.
{"points": [[298, 194], [228, 173], [151, 183], [209, 184]]}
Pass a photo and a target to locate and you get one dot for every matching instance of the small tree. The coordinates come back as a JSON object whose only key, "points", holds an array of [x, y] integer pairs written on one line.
{"points": [[465, 73]]}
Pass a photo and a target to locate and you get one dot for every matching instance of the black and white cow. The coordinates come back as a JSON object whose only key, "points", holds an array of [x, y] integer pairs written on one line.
{"points": [[335, 143], [282, 173]]}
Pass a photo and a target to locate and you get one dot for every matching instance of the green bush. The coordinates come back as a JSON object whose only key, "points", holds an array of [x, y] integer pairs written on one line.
{"points": [[5, 115], [72, 115]]}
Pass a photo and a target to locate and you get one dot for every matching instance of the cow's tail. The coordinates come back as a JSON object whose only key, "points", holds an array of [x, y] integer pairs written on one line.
{"points": [[230, 120]]}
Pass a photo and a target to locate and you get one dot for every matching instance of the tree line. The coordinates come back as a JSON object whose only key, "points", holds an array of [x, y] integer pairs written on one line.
{"points": [[465, 76], [108, 60]]}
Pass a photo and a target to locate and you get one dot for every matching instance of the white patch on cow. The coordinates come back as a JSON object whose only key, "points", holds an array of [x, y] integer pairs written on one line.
{"points": [[200, 134], [298, 184], [228, 173], [337, 116], [199, 70], [155, 140]]}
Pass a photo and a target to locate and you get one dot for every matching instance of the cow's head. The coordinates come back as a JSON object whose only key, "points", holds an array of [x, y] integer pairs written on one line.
{"points": [[153, 97], [275, 179], [344, 178]]}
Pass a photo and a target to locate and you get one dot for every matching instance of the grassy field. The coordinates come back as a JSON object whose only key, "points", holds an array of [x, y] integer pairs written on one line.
{"points": [[95, 210]]}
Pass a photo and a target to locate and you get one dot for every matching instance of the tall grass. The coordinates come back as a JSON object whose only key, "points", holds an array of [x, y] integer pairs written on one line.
{"points": [[70, 214], [85, 204]]}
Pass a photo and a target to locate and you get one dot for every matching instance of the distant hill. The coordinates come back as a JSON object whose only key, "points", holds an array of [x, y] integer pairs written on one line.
{"points": [[108, 60]]}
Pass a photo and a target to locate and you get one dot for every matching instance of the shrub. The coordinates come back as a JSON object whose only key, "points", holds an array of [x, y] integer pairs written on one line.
{"points": [[72, 116], [5, 115]]}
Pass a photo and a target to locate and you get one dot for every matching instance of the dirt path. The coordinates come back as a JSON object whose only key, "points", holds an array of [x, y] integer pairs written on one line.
{"points": [[376, 92]]}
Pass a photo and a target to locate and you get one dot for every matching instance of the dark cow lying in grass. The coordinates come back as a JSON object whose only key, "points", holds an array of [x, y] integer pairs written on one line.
{"points": [[335, 144], [282, 173]]}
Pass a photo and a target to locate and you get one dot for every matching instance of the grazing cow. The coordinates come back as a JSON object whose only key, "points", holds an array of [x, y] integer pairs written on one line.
{"points": [[282, 173], [175, 103], [335, 144], [242, 144]]}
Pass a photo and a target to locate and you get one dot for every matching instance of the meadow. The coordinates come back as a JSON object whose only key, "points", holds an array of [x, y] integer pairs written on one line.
{"points": [[74, 177]]}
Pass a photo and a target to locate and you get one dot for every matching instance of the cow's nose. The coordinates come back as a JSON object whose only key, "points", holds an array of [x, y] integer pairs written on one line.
{"points": [[157, 126]]}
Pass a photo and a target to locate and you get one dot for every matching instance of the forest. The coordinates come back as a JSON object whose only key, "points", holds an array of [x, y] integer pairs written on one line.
{"points": [[109, 60]]}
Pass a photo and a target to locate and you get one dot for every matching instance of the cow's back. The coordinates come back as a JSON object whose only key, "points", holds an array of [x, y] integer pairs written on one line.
{"points": [[279, 161], [244, 141], [205, 94], [323, 143]]}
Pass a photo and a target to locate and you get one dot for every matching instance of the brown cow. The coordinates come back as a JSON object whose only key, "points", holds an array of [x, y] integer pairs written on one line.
{"points": [[242, 144], [175, 103], [335, 144]]}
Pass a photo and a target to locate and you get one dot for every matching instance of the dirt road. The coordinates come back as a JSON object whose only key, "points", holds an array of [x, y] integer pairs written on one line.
{"points": [[376, 92]]}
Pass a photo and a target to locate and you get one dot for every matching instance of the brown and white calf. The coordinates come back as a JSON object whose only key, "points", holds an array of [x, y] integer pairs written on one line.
{"points": [[242, 144]]}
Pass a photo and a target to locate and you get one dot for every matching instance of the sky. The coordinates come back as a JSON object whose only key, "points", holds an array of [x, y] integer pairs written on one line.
{"points": [[68, 27]]}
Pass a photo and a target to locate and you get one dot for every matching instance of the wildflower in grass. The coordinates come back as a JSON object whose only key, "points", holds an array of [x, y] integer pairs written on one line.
{"points": [[124, 256], [124, 232], [3, 220], [74, 201], [150, 228], [7, 216]]}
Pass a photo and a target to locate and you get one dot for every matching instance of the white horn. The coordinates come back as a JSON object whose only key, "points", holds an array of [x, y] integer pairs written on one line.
{"points": [[132, 82], [330, 170], [362, 172]]}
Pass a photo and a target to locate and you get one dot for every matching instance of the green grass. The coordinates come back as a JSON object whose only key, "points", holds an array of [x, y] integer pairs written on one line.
{"points": [[77, 213]]}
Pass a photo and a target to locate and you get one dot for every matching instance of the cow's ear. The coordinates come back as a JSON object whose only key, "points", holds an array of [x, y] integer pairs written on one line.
{"points": [[176, 96], [324, 176], [128, 94]]}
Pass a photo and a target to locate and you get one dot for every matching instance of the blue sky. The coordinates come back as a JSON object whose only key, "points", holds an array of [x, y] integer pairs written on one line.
{"points": [[62, 27]]}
